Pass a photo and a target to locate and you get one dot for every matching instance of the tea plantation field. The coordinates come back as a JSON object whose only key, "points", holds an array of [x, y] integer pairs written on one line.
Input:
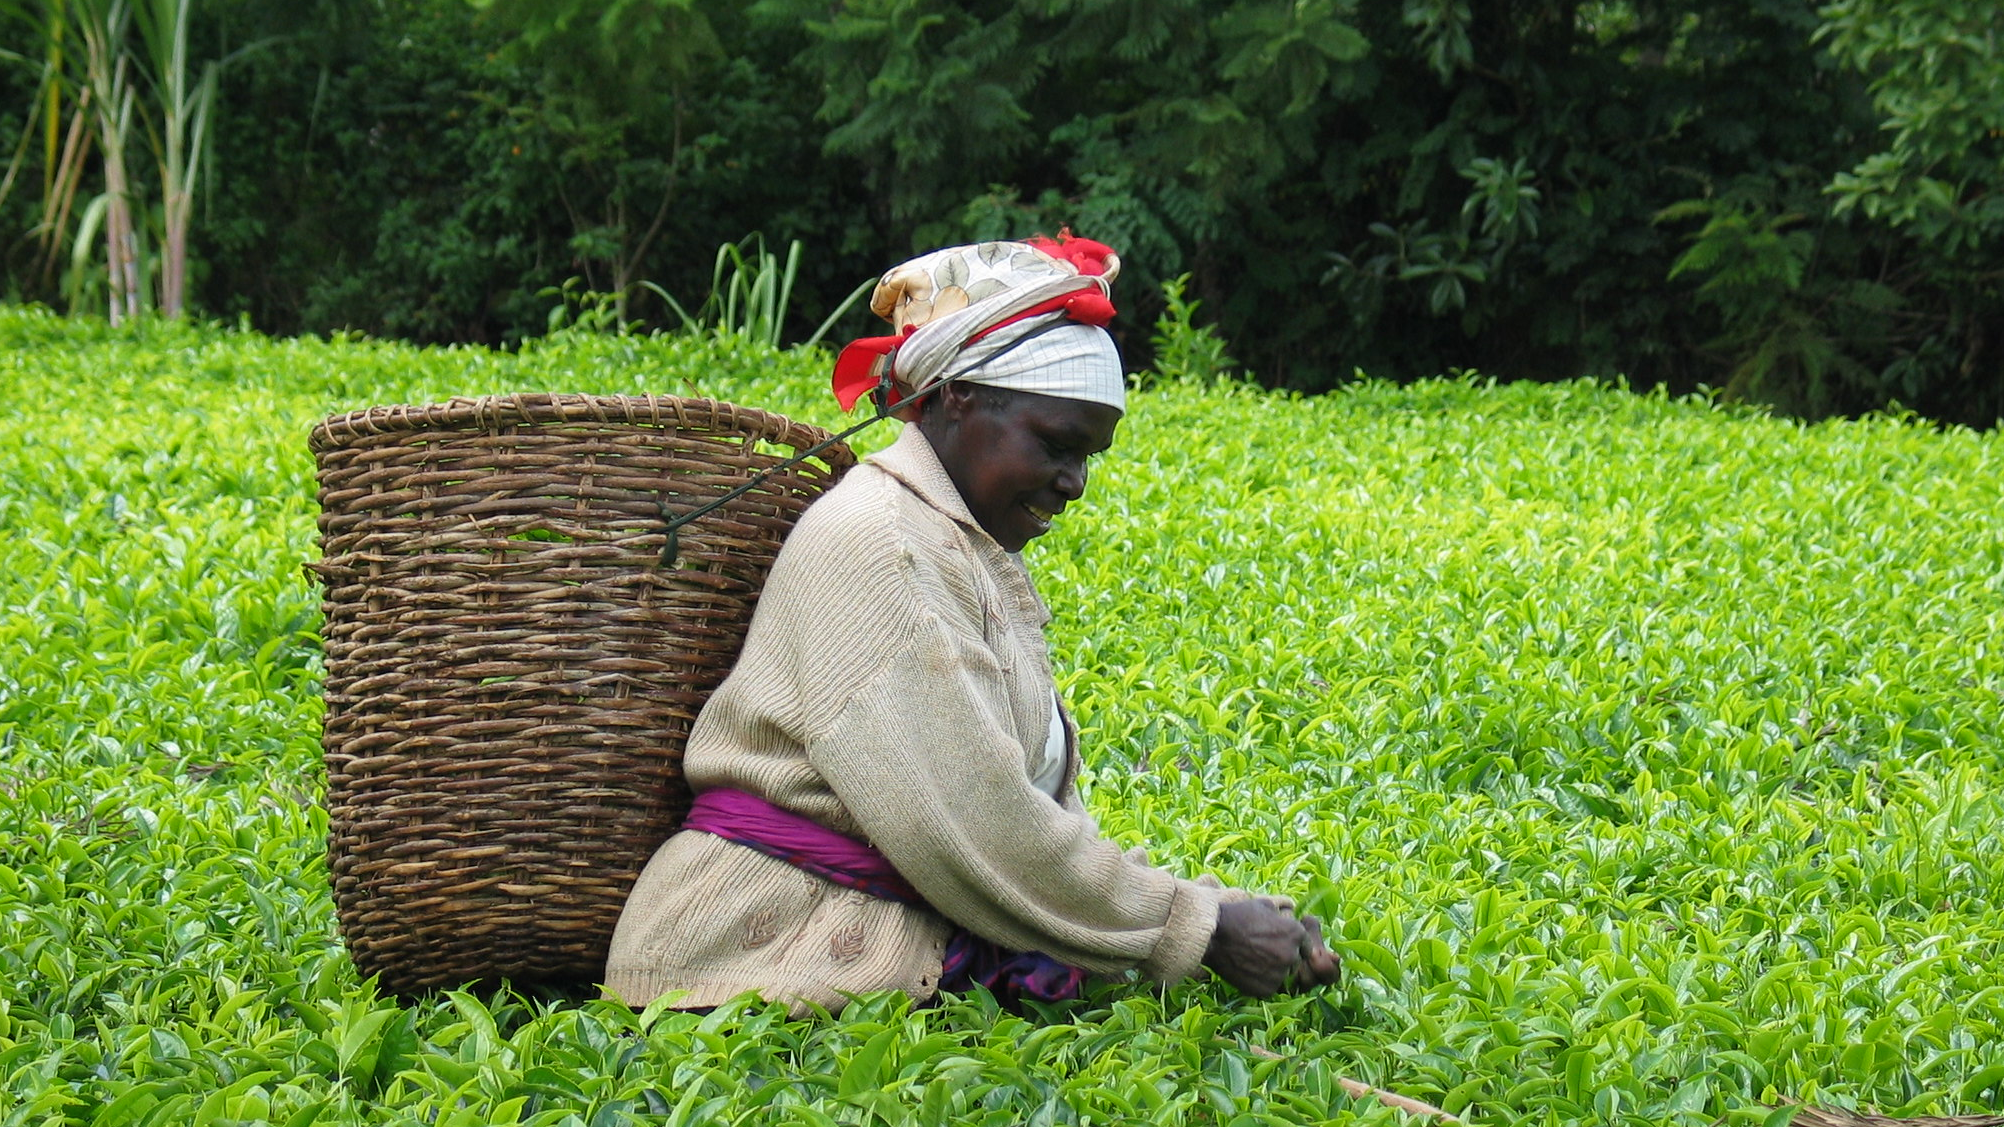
{"points": [[1646, 757]]}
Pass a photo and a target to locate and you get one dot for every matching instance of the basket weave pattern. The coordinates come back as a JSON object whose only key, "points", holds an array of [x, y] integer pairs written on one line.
{"points": [[511, 670]]}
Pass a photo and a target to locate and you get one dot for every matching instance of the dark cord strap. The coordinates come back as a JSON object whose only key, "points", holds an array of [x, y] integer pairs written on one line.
{"points": [[671, 548]]}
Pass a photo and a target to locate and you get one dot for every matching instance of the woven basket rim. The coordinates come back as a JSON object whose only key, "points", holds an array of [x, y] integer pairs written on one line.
{"points": [[483, 412]]}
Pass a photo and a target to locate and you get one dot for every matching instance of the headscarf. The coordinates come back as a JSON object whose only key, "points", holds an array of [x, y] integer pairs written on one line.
{"points": [[1028, 316]]}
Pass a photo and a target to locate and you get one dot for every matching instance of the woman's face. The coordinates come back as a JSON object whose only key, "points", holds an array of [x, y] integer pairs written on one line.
{"points": [[1017, 458]]}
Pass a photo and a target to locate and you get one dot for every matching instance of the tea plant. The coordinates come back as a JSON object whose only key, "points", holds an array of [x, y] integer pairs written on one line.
{"points": [[1641, 754]]}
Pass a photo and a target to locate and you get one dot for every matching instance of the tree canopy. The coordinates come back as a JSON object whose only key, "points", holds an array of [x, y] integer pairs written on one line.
{"points": [[1798, 204]]}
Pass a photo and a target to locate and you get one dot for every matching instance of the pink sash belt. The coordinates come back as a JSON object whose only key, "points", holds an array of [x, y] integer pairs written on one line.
{"points": [[751, 821]]}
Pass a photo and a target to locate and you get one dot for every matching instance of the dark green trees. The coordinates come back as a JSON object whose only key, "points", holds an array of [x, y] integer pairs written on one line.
{"points": [[1799, 204]]}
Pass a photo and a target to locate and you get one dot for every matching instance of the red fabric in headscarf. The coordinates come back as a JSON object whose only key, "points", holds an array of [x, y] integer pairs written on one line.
{"points": [[856, 367], [1090, 257], [1087, 306]]}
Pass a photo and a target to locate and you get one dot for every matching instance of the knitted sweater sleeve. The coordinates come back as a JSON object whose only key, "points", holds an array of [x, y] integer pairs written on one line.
{"points": [[921, 752]]}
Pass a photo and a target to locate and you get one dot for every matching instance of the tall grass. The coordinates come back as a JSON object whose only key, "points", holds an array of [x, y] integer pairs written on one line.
{"points": [[751, 290], [122, 73]]}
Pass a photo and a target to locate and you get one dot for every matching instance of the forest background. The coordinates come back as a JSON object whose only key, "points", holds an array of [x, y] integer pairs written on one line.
{"points": [[1796, 203]]}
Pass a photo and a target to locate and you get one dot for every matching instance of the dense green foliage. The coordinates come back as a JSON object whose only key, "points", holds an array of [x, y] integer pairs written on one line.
{"points": [[1643, 754], [1796, 202], [1937, 84]]}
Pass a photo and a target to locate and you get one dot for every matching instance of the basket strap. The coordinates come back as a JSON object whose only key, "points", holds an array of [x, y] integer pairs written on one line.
{"points": [[671, 548]]}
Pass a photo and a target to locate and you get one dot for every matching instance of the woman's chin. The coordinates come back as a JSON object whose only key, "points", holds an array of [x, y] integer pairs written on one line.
{"points": [[1028, 529]]}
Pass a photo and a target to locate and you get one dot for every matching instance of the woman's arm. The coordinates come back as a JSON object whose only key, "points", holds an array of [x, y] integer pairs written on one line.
{"points": [[926, 761]]}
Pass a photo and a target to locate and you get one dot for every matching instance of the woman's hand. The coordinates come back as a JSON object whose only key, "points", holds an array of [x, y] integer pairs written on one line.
{"points": [[1258, 949]]}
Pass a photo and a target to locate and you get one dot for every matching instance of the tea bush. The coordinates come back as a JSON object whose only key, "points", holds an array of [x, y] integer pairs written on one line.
{"points": [[1642, 754]]}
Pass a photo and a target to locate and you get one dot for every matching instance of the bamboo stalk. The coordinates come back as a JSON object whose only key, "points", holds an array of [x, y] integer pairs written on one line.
{"points": [[69, 178], [1360, 1090], [52, 94], [121, 238], [186, 103], [107, 67]]}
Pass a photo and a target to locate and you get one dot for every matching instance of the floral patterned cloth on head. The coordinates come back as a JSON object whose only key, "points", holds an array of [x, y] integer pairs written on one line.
{"points": [[948, 281], [1023, 315]]}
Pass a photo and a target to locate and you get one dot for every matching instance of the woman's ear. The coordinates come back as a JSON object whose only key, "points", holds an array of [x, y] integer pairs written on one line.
{"points": [[951, 402]]}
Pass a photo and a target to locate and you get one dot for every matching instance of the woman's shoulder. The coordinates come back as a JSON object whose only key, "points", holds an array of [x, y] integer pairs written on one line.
{"points": [[870, 514], [873, 538]]}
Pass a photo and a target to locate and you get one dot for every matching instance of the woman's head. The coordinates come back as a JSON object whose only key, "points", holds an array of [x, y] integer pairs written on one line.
{"points": [[1017, 457], [1002, 349], [1024, 315]]}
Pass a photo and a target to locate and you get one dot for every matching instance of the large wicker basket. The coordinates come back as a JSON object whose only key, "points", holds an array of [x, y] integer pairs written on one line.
{"points": [[512, 670]]}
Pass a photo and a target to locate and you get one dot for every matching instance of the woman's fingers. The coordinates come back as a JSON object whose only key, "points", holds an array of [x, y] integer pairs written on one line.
{"points": [[1261, 950], [1320, 965]]}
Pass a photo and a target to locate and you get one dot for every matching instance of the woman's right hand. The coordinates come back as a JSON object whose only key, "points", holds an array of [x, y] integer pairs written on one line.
{"points": [[1258, 948]]}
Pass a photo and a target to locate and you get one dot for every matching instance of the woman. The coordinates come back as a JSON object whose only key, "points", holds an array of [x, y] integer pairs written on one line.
{"points": [[886, 781]]}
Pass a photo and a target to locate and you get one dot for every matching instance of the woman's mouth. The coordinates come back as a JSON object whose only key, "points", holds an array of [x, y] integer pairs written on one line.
{"points": [[1042, 517]]}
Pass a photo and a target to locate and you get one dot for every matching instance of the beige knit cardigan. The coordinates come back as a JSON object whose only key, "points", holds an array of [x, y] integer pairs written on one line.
{"points": [[894, 686]]}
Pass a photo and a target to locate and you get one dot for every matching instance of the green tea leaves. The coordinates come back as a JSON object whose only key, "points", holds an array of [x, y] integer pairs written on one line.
{"points": [[1639, 756]]}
